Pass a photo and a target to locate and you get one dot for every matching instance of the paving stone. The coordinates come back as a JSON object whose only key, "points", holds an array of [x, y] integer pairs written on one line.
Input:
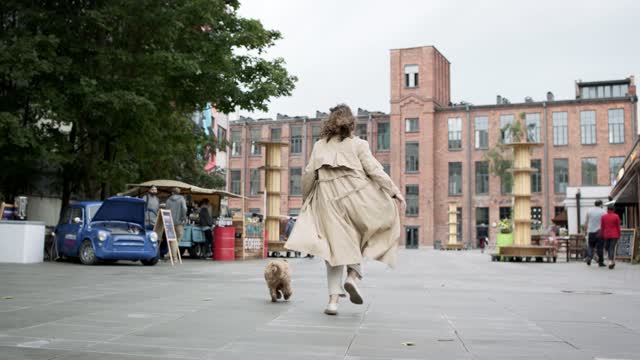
{"points": [[449, 305]]}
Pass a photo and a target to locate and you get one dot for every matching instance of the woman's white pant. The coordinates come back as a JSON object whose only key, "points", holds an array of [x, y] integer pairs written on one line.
{"points": [[335, 277]]}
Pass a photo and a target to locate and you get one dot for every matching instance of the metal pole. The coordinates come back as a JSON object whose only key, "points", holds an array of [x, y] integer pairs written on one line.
{"points": [[578, 195]]}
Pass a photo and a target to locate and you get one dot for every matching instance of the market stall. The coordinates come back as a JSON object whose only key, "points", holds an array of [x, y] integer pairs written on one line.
{"points": [[626, 195], [193, 240]]}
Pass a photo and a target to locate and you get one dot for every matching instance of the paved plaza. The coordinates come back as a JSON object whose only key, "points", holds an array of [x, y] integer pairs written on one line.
{"points": [[448, 305]]}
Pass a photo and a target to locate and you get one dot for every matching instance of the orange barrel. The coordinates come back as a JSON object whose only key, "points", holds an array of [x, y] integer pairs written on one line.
{"points": [[224, 243]]}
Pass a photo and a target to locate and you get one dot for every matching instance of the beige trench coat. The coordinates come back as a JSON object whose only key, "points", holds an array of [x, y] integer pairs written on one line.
{"points": [[348, 212]]}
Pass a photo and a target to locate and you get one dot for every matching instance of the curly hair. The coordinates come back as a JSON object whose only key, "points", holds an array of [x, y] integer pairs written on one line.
{"points": [[340, 123]]}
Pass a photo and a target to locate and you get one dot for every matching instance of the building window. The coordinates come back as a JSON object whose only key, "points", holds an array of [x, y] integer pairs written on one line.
{"points": [[222, 133], [296, 140], [588, 127], [455, 178], [533, 127], [361, 131], [616, 126], [589, 172], [413, 206], [254, 182], [387, 168], [505, 212], [459, 224], [236, 142], [411, 125], [315, 133], [295, 181], [276, 134], [482, 216], [482, 132], [384, 136], [255, 211], [536, 177], [482, 177], [455, 133], [505, 133], [506, 183], [411, 75], [411, 237], [557, 210], [536, 218], [615, 163], [412, 162], [604, 91], [560, 128], [294, 211], [560, 175], [236, 181], [255, 134]]}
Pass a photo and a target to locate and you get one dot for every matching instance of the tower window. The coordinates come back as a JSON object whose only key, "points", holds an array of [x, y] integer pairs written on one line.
{"points": [[411, 76]]}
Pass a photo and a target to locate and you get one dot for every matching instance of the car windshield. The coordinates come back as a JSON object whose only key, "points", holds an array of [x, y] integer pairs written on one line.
{"points": [[92, 210]]}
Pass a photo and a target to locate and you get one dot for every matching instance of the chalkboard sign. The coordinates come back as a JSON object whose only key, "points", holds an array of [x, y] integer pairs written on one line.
{"points": [[164, 225], [168, 225], [626, 244]]}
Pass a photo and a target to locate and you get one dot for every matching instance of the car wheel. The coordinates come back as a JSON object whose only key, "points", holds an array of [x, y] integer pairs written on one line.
{"points": [[87, 254], [150, 262]]}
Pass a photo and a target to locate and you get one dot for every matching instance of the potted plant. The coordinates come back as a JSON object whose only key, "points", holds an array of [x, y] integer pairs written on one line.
{"points": [[505, 234]]}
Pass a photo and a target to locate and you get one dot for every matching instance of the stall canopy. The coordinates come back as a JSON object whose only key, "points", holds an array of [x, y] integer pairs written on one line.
{"points": [[167, 185], [625, 190]]}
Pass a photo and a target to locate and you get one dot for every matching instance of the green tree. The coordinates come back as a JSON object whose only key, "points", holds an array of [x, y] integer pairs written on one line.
{"points": [[116, 82], [500, 157]]}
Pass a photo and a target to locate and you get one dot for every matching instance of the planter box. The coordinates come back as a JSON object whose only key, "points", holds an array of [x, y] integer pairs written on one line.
{"points": [[504, 240]]}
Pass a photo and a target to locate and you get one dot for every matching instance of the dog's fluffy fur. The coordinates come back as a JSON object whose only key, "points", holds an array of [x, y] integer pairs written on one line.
{"points": [[278, 277]]}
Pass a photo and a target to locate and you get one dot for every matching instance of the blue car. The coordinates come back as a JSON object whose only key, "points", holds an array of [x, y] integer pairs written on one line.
{"points": [[106, 231]]}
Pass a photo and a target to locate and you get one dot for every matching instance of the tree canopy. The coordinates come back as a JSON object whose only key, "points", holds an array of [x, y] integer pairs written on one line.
{"points": [[98, 93]]}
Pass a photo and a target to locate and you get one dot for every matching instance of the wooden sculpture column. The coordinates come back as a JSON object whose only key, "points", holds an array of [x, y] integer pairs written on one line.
{"points": [[453, 243], [272, 180], [521, 171]]}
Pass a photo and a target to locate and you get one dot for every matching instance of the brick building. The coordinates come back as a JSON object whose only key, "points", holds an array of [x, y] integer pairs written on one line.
{"points": [[434, 149]]}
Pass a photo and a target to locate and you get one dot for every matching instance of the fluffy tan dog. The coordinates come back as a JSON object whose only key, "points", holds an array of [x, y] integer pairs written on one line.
{"points": [[278, 277]]}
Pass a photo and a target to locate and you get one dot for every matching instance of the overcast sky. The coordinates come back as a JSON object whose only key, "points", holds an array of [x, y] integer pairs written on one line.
{"points": [[339, 50]]}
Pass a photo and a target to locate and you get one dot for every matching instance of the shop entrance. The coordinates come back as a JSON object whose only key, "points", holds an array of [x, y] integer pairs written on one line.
{"points": [[411, 237]]}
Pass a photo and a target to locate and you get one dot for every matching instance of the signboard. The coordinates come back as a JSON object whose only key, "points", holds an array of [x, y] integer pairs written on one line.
{"points": [[164, 225], [626, 244]]}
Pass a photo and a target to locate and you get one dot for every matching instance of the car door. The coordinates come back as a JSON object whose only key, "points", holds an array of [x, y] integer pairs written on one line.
{"points": [[71, 231], [62, 229]]}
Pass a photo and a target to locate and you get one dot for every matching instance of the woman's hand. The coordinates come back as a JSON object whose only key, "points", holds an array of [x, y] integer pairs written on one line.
{"points": [[403, 202]]}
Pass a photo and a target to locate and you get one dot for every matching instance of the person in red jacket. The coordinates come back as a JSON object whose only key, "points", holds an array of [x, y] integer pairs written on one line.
{"points": [[610, 227]]}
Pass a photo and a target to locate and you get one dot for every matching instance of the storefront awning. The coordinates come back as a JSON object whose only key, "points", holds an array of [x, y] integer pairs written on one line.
{"points": [[626, 189]]}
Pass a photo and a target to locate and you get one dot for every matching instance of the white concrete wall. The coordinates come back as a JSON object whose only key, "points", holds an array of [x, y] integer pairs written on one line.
{"points": [[21, 242], [588, 196]]}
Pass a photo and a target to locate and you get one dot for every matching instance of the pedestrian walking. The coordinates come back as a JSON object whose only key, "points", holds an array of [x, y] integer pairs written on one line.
{"points": [[178, 206], [206, 223], [349, 209], [611, 233], [594, 235], [482, 243]]}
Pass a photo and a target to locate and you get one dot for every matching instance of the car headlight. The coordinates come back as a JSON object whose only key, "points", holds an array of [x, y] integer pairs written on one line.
{"points": [[153, 236], [102, 235]]}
